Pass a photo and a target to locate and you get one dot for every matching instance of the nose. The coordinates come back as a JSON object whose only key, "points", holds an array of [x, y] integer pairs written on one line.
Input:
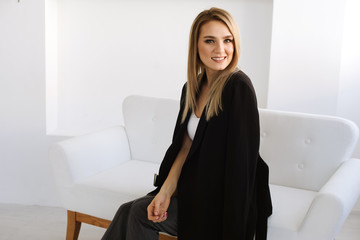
{"points": [[219, 47]]}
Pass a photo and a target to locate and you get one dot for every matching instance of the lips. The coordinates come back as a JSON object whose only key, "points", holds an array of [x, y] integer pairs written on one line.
{"points": [[218, 58]]}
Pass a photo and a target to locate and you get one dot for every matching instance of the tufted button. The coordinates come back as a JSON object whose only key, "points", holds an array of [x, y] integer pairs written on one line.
{"points": [[308, 141], [263, 134], [301, 166]]}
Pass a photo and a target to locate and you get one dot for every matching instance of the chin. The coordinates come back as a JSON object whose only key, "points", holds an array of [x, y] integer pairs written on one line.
{"points": [[221, 68]]}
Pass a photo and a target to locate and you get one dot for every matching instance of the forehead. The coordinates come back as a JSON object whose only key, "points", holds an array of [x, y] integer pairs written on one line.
{"points": [[214, 28]]}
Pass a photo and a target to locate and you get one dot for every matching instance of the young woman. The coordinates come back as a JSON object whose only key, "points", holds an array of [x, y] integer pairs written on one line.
{"points": [[212, 183]]}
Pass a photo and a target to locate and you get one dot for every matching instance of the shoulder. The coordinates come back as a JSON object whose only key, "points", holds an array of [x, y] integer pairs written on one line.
{"points": [[239, 79], [238, 83], [239, 98]]}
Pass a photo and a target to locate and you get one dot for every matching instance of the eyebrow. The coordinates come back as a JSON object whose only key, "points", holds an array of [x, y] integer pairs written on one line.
{"points": [[212, 37]]}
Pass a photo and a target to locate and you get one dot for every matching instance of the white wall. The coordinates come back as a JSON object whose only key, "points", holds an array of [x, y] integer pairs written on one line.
{"points": [[305, 55], [108, 50], [25, 173], [315, 58], [349, 83]]}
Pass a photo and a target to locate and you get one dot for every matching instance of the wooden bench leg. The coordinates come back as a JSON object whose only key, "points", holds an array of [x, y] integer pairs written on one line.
{"points": [[164, 236], [74, 223], [95, 221], [73, 226]]}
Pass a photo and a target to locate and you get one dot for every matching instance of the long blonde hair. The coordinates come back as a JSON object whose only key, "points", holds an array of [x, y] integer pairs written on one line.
{"points": [[196, 68]]}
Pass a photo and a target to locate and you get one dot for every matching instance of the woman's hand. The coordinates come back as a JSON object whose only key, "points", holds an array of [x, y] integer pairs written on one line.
{"points": [[157, 210]]}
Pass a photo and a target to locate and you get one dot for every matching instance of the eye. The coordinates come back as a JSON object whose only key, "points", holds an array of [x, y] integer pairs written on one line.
{"points": [[209, 41], [228, 40]]}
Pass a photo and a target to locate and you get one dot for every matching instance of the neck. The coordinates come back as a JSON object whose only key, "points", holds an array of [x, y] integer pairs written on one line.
{"points": [[210, 76]]}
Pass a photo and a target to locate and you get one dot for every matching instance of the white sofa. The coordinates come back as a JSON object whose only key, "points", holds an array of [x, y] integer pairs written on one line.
{"points": [[314, 181]]}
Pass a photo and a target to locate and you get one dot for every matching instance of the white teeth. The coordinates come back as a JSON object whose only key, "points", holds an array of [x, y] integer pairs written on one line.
{"points": [[218, 59]]}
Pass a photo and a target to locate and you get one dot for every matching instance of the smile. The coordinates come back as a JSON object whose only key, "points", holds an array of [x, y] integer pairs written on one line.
{"points": [[218, 58]]}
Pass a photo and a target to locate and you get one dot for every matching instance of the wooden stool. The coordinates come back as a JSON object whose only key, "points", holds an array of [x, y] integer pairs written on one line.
{"points": [[164, 236]]}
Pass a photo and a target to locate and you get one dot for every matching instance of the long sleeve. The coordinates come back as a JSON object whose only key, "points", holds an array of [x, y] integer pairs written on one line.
{"points": [[241, 160], [174, 147]]}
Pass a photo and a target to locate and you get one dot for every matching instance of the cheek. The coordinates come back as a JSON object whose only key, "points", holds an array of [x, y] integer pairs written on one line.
{"points": [[230, 51], [202, 50]]}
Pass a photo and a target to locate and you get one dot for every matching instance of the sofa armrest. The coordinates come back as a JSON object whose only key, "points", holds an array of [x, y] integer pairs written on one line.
{"points": [[83, 156], [345, 184], [334, 201]]}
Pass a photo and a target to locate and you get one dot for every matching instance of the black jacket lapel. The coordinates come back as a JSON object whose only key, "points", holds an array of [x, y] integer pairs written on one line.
{"points": [[199, 134]]}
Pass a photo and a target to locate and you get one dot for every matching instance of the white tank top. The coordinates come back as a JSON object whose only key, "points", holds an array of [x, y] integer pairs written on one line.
{"points": [[192, 125]]}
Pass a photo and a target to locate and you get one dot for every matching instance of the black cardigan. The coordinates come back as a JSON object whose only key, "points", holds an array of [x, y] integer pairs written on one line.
{"points": [[223, 190]]}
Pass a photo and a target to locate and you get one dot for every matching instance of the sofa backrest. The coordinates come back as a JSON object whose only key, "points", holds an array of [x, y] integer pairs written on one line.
{"points": [[302, 150], [149, 124]]}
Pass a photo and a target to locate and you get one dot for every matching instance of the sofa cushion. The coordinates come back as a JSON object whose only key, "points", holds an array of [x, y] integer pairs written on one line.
{"points": [[304, 150], [290, 206], [101, 194], [150, 124]]}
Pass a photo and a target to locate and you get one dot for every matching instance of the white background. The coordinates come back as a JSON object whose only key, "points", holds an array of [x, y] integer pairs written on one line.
{"points": [[66, 70], [107, 51]]}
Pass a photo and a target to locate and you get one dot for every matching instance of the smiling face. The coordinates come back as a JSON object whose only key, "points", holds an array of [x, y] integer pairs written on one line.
{"points": [[215, 46]]}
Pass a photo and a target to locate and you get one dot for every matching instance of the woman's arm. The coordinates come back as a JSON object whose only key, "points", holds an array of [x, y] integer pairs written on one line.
{"points": [[158, 207], [242, 153]]}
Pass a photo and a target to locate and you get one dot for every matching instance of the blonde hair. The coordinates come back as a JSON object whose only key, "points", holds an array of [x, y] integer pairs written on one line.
{"points": [[196, 68]]}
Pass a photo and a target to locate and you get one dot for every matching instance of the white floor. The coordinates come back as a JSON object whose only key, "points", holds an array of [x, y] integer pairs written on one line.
{"points": [[18, 222]]}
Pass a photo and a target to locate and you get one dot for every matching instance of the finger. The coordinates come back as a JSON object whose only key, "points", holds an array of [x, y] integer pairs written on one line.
{"points": [[156, 209], [149, 215], [150, 211], [152, 217], [163, 216], [160, 218]]}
